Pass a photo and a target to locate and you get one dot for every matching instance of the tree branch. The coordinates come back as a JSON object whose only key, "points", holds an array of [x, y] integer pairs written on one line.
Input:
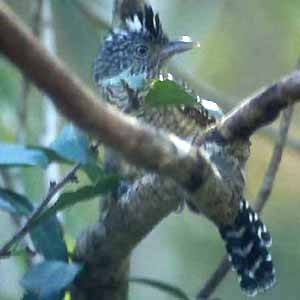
{"points": [[106, 246], [263, 195], [262, 108]]}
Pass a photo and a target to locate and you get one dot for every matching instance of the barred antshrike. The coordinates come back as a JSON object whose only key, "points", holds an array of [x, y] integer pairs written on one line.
{"points": [[130, 57]]}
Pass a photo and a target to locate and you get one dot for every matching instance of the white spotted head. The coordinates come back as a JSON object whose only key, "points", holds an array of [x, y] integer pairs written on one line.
{"points": [[139, 46]]}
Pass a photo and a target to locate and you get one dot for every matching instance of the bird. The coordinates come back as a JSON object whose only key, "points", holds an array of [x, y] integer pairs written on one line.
{"points": [[129, 60]]}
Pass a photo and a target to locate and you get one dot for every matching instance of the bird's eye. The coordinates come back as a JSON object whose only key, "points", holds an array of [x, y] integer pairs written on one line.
{"points": [[141, 50]]}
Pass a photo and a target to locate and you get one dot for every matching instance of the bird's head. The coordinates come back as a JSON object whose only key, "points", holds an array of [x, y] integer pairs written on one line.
{"points": [[136, 51]]}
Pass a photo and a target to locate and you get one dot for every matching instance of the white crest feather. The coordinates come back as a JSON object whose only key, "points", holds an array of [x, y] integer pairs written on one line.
{"points": [[135, 24]]}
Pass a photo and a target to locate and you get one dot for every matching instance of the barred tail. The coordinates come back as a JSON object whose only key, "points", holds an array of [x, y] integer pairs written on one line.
{"points": [[247, 242]]}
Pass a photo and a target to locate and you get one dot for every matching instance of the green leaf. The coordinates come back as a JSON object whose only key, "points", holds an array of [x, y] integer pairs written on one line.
{"points": [[50, 278], [33, 296], [14, 203], [72, 145], [47, 236], [91, 168], [93, 171], [86, 193], [167, 92], [30, 296], [50, 153], [48, 239], [172, 290], [18, 155]]}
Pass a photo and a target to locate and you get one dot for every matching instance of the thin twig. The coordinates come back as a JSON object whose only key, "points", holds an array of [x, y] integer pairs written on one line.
{"points": [[25, 84], [22, 113], [37, 18], [271, 172], [54, 188], [50, 124], [292, 143], [263, 195]]}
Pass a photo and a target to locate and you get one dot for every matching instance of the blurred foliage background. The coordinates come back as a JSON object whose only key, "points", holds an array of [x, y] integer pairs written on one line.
{"points": [[245, 45]]}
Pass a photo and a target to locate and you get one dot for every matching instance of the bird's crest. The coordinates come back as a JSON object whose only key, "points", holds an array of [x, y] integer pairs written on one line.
{"points": [[145, 21]]}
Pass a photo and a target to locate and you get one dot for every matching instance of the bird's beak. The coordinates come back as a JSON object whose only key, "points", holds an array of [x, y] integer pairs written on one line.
{"points": [[175, 47]]}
